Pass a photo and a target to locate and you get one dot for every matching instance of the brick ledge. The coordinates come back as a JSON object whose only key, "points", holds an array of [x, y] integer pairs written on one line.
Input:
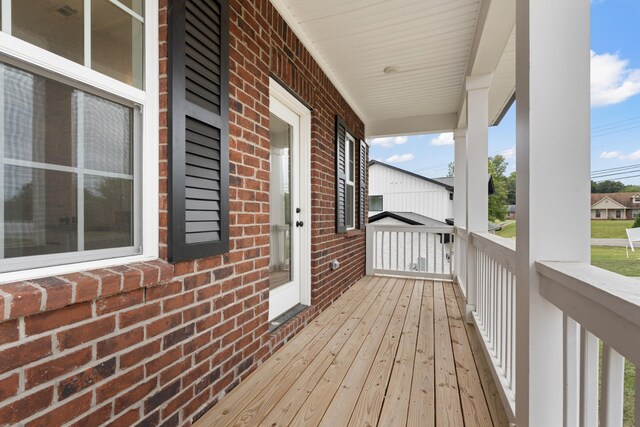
{"points": [[29, 297]]}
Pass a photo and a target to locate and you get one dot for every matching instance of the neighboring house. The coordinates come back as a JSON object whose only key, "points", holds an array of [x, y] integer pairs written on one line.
{"points": [[511, 212], [625, 205], [173, 177], [395, 189]]}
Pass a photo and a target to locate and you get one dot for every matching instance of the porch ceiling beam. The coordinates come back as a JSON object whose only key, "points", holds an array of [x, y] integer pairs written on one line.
{"points": [[495, 24], [411, 125]]}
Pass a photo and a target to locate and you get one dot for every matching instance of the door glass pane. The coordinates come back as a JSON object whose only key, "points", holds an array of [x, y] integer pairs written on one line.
{"points": [[40, 212], [116, 43], [280, 266], [52, 25]]}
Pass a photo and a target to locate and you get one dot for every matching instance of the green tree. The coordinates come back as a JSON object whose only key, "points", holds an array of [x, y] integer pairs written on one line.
{"points": [[607, 187], [450, 170], [632, 188], [498, 200], [511, 189]]}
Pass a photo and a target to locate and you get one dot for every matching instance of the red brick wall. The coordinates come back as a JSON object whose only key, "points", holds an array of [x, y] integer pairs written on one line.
{"points": [[155, 343]]}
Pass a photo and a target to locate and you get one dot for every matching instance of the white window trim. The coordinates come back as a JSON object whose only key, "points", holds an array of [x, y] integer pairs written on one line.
{"points": [[348, 157], [12, 48]]}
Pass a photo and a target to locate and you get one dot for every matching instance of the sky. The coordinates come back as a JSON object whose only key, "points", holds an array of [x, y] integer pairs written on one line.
{"points": [[615, 107]]}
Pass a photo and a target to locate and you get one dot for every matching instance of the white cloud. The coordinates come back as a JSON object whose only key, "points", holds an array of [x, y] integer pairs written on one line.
{"points": [[509, 153], [388, 141], [443, 139], [612, 81], [610, 154], [631, 156], [401, 158]]}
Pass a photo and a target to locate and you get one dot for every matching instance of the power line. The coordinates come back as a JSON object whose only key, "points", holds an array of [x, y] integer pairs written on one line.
{"points": [[624, 177], [596, 128], [616, 173], [615, 131], [616, 168]]}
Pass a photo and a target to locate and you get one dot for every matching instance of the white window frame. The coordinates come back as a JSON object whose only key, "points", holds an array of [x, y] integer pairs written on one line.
{"points": [[636, 198], [21, 53], [348, 157]]}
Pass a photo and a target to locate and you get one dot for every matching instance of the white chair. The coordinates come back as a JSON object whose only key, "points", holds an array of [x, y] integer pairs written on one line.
{"points": [[633, 235]]}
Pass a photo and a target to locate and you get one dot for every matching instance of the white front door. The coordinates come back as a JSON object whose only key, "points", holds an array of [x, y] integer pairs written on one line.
{"points": [[288, 207]]}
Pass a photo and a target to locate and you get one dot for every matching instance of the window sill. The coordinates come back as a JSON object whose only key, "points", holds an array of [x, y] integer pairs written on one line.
{"points": [[353, 233], [24, 298]]}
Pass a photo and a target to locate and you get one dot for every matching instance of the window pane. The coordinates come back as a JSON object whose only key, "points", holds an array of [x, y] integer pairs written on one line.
{"points": [[40, 211], [108, 212], [108, 139], [135, 5], [351, 160], [375, 203], [38, 118], [55, 26], [116, 43], [349, 205]]}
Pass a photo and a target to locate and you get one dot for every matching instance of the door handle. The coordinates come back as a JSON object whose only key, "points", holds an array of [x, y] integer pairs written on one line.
{"points": [[299, 223]]}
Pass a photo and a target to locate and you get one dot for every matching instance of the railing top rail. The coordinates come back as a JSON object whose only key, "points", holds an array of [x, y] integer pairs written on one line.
{"points": [[605, 303], [410, 228], [501, 249], [460, 231]]}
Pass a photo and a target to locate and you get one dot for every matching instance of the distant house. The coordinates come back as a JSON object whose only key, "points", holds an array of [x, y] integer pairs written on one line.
{"points": [[511, 212], [405, 218], [398, 190], [615, 205]]}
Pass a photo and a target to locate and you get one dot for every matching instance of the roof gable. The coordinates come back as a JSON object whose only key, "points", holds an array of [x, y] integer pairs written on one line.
{"points": [[415, 175], [607, 203]]}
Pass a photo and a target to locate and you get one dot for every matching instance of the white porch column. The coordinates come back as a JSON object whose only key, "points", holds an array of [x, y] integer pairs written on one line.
{"points": [[477, 174], [552, 86], [460, 197]]}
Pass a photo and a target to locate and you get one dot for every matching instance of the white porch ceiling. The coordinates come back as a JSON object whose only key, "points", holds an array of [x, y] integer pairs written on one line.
{"points": [[430, 41]]}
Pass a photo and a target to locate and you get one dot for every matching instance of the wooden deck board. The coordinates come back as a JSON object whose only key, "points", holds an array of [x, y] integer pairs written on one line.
{"points": [[474, 404], [389, 352], [422, 404]]}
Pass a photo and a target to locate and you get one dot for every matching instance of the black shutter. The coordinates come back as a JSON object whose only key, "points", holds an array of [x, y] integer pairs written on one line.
{"points": [[341, 176], [198, 128], [363, 184]]}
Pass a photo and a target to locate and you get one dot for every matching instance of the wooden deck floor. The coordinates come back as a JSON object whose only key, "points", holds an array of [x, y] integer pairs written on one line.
{"points": [[389, 352]]}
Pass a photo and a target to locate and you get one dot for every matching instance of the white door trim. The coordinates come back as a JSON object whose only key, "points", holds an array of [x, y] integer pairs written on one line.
{"points": [[281, 96]]}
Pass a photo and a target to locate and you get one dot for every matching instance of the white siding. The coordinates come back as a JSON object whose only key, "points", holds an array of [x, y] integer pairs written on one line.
{"points": [[402, 192]]}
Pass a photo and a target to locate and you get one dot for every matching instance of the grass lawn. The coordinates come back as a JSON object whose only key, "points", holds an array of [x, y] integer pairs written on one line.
{"points": [[508, 230], [610, 229], [600, 229], [615, 259]]}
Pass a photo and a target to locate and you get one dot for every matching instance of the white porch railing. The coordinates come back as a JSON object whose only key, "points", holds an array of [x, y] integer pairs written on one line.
{"points": [[460, 258], [494, 315], [411, 251], [601, 312], [599, 307]]}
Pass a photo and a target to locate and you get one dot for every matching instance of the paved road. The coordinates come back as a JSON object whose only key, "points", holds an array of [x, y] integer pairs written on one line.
{"points": [[609, 242]]}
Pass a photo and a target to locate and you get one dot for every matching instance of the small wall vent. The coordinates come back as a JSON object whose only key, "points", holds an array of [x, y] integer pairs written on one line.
{"points": [[67, 11]]}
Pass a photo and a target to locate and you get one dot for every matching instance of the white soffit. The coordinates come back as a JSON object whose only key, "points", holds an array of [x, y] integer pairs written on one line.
{"points": [[430, 41], [504, 81]]}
